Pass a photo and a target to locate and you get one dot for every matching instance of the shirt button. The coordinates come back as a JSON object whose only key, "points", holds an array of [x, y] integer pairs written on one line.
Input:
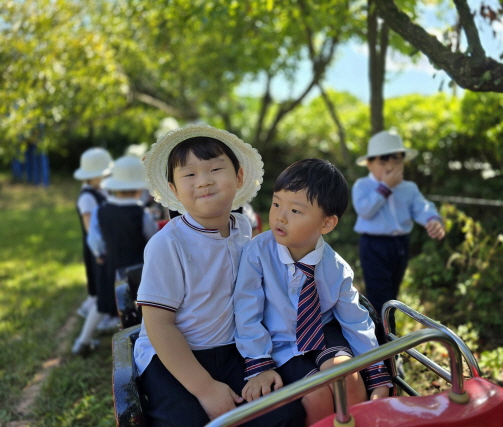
{"points": [[293, 291]]}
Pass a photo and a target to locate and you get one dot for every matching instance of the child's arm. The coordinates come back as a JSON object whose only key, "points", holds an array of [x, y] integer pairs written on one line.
{"points": [[425, 213], [94, 237], [369, 199], [261, 385], [435, 229], [215, 397]]}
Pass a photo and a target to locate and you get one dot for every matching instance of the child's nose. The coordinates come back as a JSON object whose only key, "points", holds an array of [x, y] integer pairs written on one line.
{"points": [[204, 180]]}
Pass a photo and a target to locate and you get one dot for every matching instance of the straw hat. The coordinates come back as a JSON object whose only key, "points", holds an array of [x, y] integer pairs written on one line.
{"points": [[156, 162], [94, 163], [127, 174], [386, 142]]}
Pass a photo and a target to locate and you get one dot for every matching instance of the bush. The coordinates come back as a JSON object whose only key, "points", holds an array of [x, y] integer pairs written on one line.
{"points": [[458, 280]]}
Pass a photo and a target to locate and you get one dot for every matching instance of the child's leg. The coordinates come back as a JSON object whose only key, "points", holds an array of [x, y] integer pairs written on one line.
{"points": [[338, 351], [355, 387], [319, 403]]}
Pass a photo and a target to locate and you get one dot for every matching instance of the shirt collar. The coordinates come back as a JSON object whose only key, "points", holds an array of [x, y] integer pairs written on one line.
{"points": [[210, 232], [372, 177], [128, 201], [312, 258]]}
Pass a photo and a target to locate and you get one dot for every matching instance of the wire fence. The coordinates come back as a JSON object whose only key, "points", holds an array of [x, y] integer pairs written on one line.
{"points": [[465, 200]]}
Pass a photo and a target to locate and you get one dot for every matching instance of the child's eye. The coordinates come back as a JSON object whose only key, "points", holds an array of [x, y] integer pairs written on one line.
{"points": [[295, 211], [275, 204], [189, 174], [216, 169]]}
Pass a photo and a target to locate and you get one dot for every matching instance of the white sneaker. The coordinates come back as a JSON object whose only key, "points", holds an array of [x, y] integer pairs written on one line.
{"points": [[108, 323], [84, 308]]}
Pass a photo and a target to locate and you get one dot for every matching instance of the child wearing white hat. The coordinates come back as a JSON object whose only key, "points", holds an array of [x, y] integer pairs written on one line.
{"points": [[118, 233], [190, 368], [387, 207], [95, 164]]}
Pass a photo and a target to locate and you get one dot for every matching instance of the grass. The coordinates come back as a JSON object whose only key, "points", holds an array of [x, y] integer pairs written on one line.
{"points": [[42, 284]]}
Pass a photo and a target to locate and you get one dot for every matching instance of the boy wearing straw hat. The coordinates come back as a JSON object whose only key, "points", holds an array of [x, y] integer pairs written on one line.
{"points": [[190, 368], [118, 233], [95, 164], [387, 207]]}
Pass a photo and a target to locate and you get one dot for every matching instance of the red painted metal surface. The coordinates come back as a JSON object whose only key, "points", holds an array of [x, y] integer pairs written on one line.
{"points": [[484, 409]]}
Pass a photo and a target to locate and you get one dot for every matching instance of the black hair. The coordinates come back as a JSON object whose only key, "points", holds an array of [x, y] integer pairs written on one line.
{"points": [[204, 148], [386, 157], [322, 181]]}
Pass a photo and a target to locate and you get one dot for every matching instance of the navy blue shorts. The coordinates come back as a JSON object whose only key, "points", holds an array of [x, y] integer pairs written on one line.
{"points": [[309, 363], [171, 405]]}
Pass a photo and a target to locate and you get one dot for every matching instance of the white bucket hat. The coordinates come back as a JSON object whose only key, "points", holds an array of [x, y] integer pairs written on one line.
{"points": [[156, 162], [127, 174], [94, 163], [386, 142]]}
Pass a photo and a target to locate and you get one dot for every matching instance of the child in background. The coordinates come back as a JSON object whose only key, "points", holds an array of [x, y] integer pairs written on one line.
{"points": [[119, 231], [190, 368], [95, 164], [387, 207], [296, 309]]}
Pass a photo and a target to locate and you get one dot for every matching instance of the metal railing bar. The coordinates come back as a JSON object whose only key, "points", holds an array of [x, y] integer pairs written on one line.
{"points": [[405, 387], [430, 323], [299, 388], [421, 358]]}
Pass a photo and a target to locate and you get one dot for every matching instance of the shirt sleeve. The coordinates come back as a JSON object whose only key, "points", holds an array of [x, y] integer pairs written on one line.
{"points": [[423, 211], [162, 281], [252, 338], [368, 200], [86, 203], [359, 330], [150, 226], [94, 237]]}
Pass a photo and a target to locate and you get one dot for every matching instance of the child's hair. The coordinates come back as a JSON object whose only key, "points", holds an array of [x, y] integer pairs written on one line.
{"points": [[204, 148], [322, 181]]}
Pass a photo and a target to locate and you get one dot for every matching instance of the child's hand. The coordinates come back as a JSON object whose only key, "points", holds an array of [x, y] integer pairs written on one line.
{"points": [[261, 385], [435, 229], [379, 392], [100, 260], [217, 399], [393, 176]]}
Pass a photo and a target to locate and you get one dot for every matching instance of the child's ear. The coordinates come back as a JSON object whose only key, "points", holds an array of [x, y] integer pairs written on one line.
{"points": [[329, 224], [240, 177], [173, 189]]}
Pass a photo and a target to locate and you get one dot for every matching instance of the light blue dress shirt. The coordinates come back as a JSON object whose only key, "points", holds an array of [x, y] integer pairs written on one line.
{"points": [[390, 212], [267, 293]]}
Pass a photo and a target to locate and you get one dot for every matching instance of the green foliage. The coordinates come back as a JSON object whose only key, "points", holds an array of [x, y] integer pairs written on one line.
{"points": [[458, 279]]}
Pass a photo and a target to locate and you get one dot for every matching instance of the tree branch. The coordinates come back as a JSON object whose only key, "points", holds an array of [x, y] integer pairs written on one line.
{"points": [[476, 73], [470, 29], [185, 114]]}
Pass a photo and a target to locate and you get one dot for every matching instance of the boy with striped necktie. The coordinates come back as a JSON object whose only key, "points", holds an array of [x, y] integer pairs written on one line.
{"points": [[296, 309]]}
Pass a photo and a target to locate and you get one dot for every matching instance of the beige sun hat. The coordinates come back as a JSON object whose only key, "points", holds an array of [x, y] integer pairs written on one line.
{"points": [[386, 142], [94, 163], [156, 162], [128, 173]]}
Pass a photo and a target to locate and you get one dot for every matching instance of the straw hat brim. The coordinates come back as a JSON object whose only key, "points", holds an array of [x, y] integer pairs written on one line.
{"points": [[410, 153], [115, 184], [82, 174], [156, 161]]}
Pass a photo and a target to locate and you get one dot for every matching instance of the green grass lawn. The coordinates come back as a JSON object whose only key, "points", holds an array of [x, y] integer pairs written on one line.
{"points": [[42, 282]]}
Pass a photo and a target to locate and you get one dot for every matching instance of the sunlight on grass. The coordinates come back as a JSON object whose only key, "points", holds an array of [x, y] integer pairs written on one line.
{"points": [[43, 281]]}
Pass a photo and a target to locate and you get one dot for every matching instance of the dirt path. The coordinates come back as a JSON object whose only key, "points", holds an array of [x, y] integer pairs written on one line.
{"points": [[32, 390]]}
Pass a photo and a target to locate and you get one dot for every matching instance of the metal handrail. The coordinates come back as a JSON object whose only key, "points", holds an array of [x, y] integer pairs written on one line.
{"points": [[429, 323], [338, 373]]}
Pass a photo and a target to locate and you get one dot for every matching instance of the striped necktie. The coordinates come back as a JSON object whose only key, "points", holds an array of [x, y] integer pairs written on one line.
{"points": [[309, 328]]}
